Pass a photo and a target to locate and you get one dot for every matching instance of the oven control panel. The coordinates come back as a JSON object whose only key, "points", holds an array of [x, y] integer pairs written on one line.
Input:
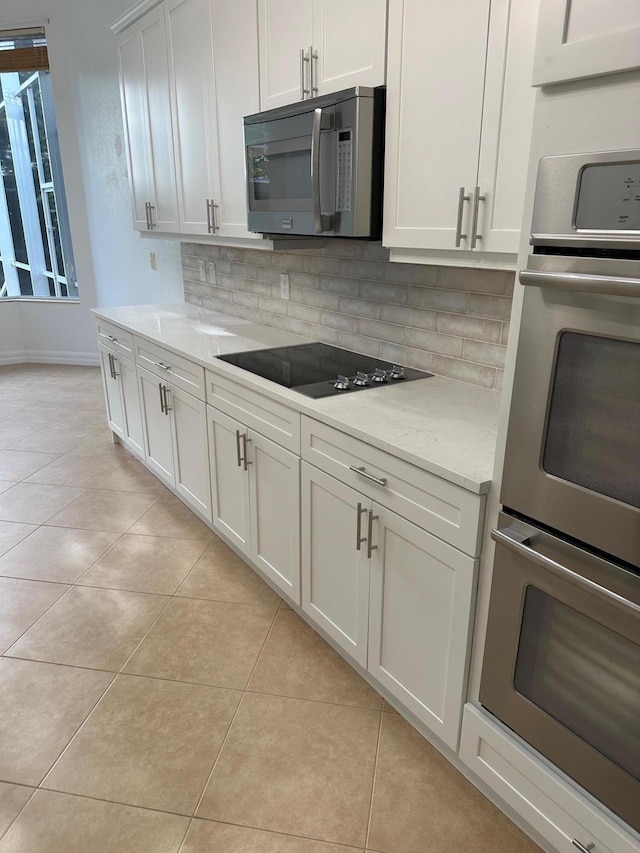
{"points": [[609, 197]]}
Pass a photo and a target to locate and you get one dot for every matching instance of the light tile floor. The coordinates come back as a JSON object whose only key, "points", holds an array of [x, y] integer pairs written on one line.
{"points": [[156, 696]]}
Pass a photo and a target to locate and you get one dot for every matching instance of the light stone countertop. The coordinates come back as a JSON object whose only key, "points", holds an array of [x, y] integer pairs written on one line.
{"points": [[441, 425]]}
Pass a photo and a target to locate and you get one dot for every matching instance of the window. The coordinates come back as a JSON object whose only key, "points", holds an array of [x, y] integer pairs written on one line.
{"points": [[36, 257]]}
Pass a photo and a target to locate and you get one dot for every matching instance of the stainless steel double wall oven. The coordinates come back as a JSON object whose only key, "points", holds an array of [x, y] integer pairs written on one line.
{"points": [[562, 657]]}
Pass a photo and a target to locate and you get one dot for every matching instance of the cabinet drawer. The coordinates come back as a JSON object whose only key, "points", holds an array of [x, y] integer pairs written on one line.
{"points": [[268, 417], [448, 511], [549, 805], [115, 338], [171, 367]]}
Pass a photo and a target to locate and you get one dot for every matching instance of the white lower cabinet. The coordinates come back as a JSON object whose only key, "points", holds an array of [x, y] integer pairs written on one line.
{"points": [[556, 809], [121, 397], [394, 597], [175, 439], [420, 610], [335, 566], [255, 487]]}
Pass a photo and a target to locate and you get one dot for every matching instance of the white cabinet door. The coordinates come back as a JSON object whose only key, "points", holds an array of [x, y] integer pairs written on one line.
{"points": [[586, 38], [190, 449], [112, 396], [132, 425], [507, 124], [350, 40], [335, 575], [420, 612], [274, 488], [156, 425], [435, 86], [235, 48], [190, 39], [229, 483], [285, 28], [144, 82]]}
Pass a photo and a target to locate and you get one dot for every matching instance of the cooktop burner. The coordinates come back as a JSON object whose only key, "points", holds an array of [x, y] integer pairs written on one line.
{"points": [[320, 370]]}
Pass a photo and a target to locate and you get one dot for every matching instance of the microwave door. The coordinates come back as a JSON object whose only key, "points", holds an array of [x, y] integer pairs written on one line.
{"points": [[279, 176]]}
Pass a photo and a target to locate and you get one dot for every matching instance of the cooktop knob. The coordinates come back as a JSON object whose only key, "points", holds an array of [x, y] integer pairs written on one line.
{"points": [[397, 372], [341, 383], [361, 378], [379, 375]]}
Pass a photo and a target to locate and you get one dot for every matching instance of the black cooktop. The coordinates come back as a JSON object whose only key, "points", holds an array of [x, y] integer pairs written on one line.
{"points": [[314, 369]]}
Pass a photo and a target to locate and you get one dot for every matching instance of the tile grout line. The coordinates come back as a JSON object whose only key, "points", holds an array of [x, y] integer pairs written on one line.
{"points": [[34, 791], [373, 781]]}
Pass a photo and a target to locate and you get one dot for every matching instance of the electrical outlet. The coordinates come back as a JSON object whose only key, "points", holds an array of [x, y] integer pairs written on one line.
{"points": [[152, 261], [284, 285]]}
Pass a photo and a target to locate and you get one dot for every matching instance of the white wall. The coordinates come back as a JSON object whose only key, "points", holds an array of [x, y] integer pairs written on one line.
{"points": [[111, 259], [11, 343]]}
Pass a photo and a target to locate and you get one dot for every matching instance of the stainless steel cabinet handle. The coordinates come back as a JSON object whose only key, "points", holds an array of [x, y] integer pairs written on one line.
{"points": [[211, 216], [461, 200], [313, 55], [381, 481], [245, 460], [150, 222], [359, 537], [574, 281], [161, 365], [477, 198], [322, 223], [114, 372], [167, 407], [111, 338], [371, 548], [503, 538], [238, 451], [583, 848], [303, 60], [161, 399]]}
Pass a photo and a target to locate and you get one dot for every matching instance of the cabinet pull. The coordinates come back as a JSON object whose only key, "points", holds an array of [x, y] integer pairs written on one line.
{"points": [[477, 198], [238, 451], [150, 222], [111, 366], [583, 848], [161, 365], [211, 216], [381, 481], [371, 548], [167, 407], [313, 55], [245, 460], [462, 197], [111, 338], [303, 59], [161, 399], [146, 213], [114, 372], [359, 537]]}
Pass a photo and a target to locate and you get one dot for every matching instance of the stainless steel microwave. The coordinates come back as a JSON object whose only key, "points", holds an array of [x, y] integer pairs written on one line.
{"points": [[315, 167]]}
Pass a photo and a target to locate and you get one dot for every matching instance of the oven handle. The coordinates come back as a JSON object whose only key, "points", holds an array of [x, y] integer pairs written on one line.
{"points": [[504, 537], [322, 223], [572, 281]]}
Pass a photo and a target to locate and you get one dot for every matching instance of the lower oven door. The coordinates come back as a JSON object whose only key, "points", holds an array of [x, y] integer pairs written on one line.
{"points": [[562, 660]]}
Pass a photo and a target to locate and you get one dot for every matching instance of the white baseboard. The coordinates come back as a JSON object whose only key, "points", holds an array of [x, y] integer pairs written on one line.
{"points": [[88, 359]]}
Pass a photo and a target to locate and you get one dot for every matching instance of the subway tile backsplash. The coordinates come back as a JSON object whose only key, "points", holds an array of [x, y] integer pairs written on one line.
{"points": [[448, 320]]}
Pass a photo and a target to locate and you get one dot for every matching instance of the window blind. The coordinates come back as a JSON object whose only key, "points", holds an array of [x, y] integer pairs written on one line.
{"points": [[23, 50]]}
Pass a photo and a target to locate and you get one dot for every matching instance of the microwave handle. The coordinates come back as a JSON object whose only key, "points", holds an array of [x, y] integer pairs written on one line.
{"points": [[322, 222]]}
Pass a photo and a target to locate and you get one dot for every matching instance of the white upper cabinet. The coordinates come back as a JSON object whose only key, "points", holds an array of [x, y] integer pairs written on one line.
{"points": [[459, 119], [313, 47], [189, 73], [144, 87], [586, 38]]}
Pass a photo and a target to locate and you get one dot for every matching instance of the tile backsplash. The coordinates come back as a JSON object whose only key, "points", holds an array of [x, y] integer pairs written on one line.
{"points": [[448, 320]]}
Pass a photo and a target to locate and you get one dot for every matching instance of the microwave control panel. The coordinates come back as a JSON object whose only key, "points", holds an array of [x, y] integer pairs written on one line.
{"points": [[343, 194]]}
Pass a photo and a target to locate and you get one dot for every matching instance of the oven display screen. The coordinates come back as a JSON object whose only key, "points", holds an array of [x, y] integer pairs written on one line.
{"points": [[609, 197]]}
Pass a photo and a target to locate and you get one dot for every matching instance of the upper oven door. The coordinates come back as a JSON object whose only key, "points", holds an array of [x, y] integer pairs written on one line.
{"points": [[573, 446]]}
